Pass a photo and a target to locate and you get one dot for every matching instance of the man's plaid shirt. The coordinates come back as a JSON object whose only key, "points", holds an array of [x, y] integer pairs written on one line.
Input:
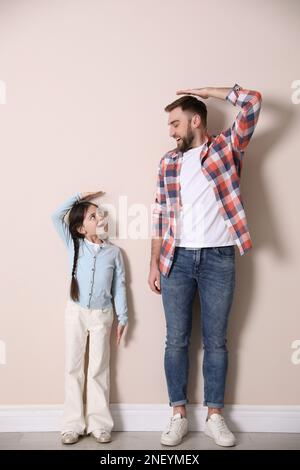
{"points": [[221, 162]]}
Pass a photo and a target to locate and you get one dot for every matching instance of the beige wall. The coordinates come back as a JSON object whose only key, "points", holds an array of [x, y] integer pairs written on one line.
{"points": [[86, 83]]}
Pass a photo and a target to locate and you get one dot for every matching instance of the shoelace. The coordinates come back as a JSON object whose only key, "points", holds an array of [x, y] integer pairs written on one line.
{"points": [[221, 425], [170, 425]]}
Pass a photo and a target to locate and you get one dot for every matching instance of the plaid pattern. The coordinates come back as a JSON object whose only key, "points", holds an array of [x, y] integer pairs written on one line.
{"points": [[221, 161]]}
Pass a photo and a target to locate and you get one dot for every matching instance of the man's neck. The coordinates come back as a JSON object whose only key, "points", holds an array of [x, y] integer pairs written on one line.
{"points": [[199, 139], [195, 144]]}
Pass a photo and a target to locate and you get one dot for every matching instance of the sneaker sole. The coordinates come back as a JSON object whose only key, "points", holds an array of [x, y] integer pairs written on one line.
{"points": [[167, 443], [208, 433]]}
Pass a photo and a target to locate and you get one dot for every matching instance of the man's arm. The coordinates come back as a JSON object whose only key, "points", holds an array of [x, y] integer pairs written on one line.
{"points": [[159, 226], [243, 127], [154, 274], [207, 92], [249, 101]]}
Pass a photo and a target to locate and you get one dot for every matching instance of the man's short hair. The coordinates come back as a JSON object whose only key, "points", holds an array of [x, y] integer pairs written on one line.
{"points": [[192, 104]]}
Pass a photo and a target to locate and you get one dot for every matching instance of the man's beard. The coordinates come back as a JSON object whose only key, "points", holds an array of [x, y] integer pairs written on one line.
{"points": [[186, 142]]}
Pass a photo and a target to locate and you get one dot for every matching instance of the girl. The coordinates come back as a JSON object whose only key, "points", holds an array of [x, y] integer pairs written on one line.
{"points": [[97, 278]]}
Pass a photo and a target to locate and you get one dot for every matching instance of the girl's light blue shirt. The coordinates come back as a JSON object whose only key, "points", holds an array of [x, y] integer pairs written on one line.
{"points": [[100, 275]]}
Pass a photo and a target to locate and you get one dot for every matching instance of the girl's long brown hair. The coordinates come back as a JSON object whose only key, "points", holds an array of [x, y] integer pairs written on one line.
{"points": [[76, 218]]}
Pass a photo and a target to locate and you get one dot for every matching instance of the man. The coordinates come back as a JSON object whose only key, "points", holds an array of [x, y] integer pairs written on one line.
{"points": [[197, 220]]}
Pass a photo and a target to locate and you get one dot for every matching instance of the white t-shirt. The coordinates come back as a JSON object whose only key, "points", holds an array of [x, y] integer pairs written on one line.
{"points": [[200, 223], [94, 246]]}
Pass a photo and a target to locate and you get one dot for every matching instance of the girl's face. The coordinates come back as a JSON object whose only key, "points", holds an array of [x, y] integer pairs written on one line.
{"points": [[93, 220]]}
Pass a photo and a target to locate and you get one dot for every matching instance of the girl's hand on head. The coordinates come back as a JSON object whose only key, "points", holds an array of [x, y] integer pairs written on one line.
{"points": [[120, 331], [88, 196]]}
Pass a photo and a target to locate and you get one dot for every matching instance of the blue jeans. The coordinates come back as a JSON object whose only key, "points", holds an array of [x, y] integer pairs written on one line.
{"points": [[211, 271]]}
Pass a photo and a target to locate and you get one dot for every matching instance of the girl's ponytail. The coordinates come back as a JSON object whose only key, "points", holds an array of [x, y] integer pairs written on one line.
{"points": [[74, 288]]}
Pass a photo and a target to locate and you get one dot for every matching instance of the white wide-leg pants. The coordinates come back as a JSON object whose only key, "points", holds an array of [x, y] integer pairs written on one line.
{"points": [[79, 323]]}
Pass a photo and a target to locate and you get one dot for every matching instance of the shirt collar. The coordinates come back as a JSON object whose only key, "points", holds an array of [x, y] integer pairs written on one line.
{"points": [[104, 242], [177, 153]]}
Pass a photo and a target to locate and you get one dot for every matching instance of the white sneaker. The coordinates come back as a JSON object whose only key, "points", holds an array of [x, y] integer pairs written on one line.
{"points": [[176, 430], [101, 435], [215, 427], [69, 437]]}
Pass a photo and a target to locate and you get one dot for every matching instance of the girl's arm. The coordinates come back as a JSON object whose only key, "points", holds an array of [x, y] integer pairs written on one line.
{"points": [[119, 290], [58, 218]]}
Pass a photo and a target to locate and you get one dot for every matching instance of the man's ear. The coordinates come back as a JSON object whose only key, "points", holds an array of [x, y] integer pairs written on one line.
{"points": [[196, 121]]}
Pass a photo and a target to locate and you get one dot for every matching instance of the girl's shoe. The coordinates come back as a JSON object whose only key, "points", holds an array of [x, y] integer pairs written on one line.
{"points": [[101, 435], [69, 437]]}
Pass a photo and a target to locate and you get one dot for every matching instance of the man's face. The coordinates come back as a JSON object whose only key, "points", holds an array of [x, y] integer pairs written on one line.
{"points": [[181, 129]]}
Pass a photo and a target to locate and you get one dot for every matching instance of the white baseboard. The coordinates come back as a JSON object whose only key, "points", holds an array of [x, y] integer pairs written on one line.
{"points": [[241, 418]]}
